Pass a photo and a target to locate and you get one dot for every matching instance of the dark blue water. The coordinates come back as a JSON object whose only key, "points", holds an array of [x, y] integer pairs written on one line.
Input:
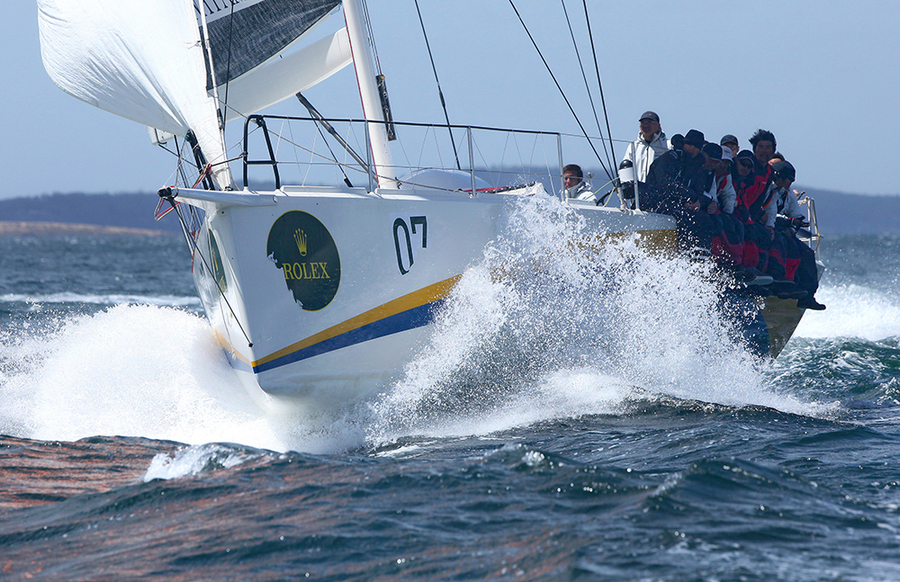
{"points": [[130, 451]]}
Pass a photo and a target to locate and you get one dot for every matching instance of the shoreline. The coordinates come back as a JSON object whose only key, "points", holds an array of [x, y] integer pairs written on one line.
{"points": [[20, 228]]}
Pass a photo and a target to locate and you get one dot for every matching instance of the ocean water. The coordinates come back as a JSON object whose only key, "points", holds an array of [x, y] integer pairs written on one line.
{"points": [[592, 423]]}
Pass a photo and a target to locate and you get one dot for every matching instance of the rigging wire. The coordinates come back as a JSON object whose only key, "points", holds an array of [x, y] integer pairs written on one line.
{"points": [[181, 160], [561, 92], [170, 197], [437, 81], [319, 123], [371, 34], [587, 19], [586, 86], [206, 44]]}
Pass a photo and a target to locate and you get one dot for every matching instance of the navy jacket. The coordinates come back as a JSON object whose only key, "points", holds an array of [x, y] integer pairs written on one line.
{"points": [[675, 178]]}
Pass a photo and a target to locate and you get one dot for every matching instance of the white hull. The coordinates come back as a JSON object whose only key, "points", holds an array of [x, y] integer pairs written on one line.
{"points": [[381, 305]]}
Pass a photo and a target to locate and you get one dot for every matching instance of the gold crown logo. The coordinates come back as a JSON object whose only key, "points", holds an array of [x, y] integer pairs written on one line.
{"points": [[300, 239]]}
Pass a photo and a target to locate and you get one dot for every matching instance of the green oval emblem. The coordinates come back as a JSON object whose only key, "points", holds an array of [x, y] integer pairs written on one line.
{"points": [[303, 248], [218, 270]]}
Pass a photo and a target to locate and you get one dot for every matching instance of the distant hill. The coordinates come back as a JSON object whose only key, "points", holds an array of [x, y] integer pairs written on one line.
{"points": [[114, 210], [838, 213], [841, 213], [13, 228]]}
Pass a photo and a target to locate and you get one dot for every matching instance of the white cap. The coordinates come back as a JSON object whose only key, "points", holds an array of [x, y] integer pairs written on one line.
{"points": [[727, 154]]}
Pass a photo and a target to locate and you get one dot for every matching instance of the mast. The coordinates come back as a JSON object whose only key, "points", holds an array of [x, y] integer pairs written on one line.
{"points": [[364, 63]]}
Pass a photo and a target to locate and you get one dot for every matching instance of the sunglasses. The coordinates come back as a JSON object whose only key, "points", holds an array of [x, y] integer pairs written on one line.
{"points": [[747, 163]]}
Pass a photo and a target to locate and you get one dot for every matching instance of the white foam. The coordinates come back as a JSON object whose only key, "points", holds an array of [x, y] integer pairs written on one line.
{"points": [[188, 461], [145, 371], [583, 333], [101, 299], [853, 311]]}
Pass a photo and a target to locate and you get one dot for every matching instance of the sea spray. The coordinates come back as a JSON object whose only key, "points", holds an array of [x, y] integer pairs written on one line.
{"points": [[154, 372], [546, 326], [134, 370]]}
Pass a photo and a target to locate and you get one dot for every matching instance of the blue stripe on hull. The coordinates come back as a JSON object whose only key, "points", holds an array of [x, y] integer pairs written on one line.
{"points": [[410, 319]]}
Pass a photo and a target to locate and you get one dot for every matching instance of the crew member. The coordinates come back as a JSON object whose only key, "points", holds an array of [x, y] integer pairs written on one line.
{"points": [[650, 144], [750, 188], [574, 184], [784, 218], [677, 185], [728, 243], [731, 142]]}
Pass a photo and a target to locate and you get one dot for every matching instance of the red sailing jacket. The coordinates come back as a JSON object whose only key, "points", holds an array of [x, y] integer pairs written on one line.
{"points": [[751, 194]]}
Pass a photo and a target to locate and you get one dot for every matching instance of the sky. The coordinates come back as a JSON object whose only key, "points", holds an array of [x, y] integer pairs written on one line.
{"points": [[822, 76]]}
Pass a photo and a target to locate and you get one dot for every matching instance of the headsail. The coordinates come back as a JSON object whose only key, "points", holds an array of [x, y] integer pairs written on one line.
{"points": [[184, 65], [141, 60], [145, 61]]}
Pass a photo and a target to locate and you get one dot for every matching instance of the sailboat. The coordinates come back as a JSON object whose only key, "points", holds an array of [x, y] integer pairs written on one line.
{"points": [[318, 292]]}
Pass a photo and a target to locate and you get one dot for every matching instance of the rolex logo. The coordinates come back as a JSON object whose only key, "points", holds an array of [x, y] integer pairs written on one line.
{"points": [[300, 239], [301, 247]]}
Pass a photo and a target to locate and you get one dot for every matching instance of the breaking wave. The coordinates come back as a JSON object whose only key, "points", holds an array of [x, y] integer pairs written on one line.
{"points": [[546, 327]]}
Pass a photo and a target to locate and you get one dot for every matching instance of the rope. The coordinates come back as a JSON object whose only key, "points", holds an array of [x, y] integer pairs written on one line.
{"points": [[587, 19], [561, 92], [440, 93], [584, 76]]}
